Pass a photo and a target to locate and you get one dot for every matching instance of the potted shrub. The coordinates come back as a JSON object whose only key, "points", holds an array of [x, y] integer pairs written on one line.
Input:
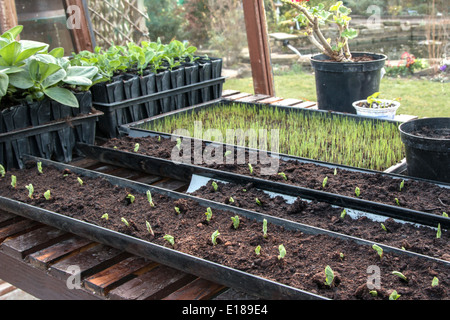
{"points": [[377, 108], [39, 92], [342, 76]]}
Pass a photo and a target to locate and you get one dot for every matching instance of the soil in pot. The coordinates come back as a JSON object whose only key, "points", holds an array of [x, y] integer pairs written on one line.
{"points": [[302, 266], [416, 195]]}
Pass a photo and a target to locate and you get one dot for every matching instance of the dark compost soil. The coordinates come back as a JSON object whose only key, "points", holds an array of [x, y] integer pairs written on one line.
{"points": [[415, 195], [306, 255]]}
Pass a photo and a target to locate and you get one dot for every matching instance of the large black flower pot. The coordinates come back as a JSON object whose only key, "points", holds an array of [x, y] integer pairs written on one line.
{"points": [[427, 147], [339, 84]]}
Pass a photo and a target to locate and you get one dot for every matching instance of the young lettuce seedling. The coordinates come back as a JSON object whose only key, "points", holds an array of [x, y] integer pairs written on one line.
{"points": [[13, 181], [231, 200], [402, 185], [236, 222], [258, 202], [258, 250], [343, 214], [39, 167], [136, 147], [105, 216], [149, 228], [47, 195], [282, 251], [214, 237], [265, 228], [215, 186], [169, 239], [435, 282], [329, 276], [357, 191], [394, 295], [439, 232], [283, 175], [150, 199], [125, 222], [335, 172], [324, 182], [208, 214], [2, 171], [250, 168], [177, 210], [378, 250], [130, 198], [444, 214], [400, 275], [30, 189], [80, 181]]}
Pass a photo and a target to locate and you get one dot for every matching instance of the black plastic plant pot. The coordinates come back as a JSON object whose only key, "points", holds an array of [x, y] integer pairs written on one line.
{"points": [[163, 84], [339, 84], [148, 86], [191, 77], [202, 267], [427, 146], [178, 80]]}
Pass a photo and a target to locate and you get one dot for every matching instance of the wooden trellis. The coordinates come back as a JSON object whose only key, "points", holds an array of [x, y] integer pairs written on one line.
{"points": [[118, 21]]}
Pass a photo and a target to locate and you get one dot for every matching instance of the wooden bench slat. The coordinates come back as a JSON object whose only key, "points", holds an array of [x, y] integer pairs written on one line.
{"points": [[18, 228], [89, 262], [229, 92], [253, 98], [239, 96], [287, 102], [152, 285], [199, 289], [30, 242], [105, 280], [305, 104], [270, 100], [43, 258]]}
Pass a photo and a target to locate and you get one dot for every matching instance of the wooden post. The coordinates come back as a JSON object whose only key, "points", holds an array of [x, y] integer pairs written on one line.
{"points": [[258, 44], [8, 15], [79, 25]]}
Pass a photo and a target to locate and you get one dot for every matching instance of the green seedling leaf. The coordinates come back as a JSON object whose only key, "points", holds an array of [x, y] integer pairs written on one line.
{"points": [[80, 181], [435, 282], [149, 228], [402, 185], [373, 293], [250, 168], [208, 214], [384, 227], [136, 147], [343, 214], [329, 276], [39, 167], [169, 239], [2, 171], [30, 189], [335, 171], [265, 228], [397, 201], [130, 198], [63, 96], [13, 181], [258, 202], [357, 191], [47, 195], [444, 214], [214, 237], [282, 174], [105, 216], [125, 222], [379, 250], [341, 256], [439, 232], [150, 199], [258, 250], [236, 221], [178, 143], [215, 186], [231, 200], [227, 153], [324, 182], [394, 295], [177, 210], [282, 252], [400, 275]]}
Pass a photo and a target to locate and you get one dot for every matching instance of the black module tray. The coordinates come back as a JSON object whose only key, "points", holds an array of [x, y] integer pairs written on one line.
{"points": [[212, 271]]}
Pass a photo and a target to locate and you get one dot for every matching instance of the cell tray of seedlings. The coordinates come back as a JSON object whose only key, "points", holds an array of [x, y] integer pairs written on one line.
{"points": [[410, 199], [260, 254], [345, 139]]}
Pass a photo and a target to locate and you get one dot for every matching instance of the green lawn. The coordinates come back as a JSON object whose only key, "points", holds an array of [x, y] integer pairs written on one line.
{"points": [[421, 98]]}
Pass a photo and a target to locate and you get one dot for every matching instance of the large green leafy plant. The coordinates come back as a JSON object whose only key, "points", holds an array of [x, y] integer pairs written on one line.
{"points": [[29, 72], [313, 18]]}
